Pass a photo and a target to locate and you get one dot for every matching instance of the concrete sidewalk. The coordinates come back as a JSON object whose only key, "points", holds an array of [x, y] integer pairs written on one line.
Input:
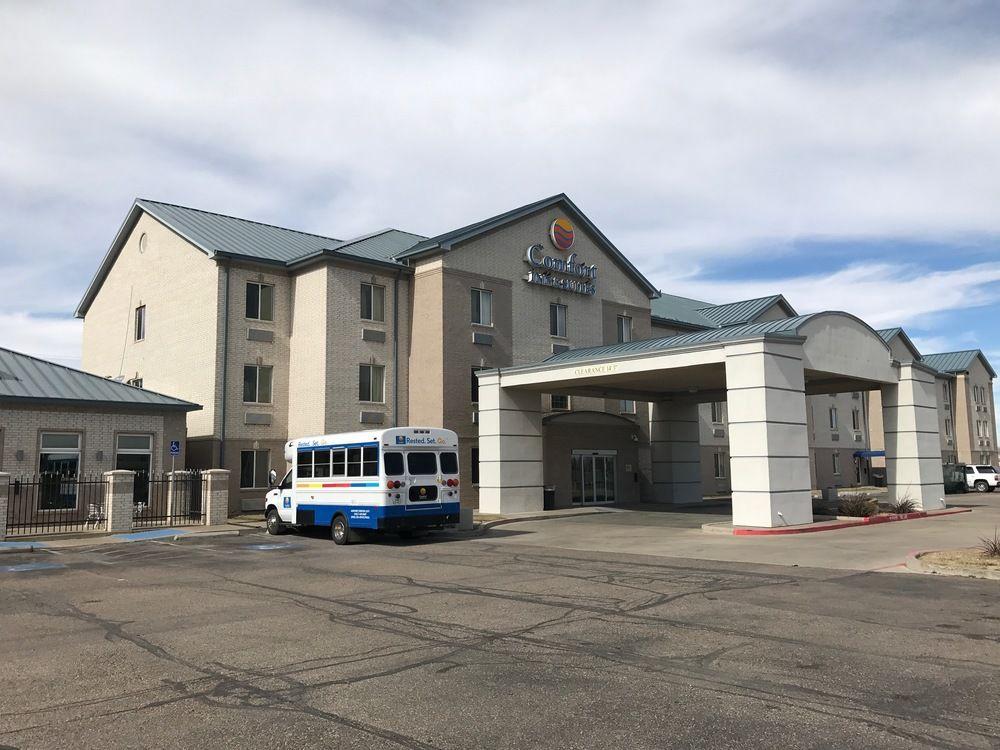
{"points": [[92, 539]]}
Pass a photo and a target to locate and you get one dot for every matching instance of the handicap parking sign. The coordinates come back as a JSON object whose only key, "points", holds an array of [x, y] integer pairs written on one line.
{"points": [[175, 447]]}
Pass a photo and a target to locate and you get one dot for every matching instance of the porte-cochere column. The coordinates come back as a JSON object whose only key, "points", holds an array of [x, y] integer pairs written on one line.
{"points": [[510, 448], [768, 434], [912, 443], [676, 449]]}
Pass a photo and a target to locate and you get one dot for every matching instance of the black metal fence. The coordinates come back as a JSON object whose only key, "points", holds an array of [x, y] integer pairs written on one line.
{"points": [[52, 504], [164, 500]]}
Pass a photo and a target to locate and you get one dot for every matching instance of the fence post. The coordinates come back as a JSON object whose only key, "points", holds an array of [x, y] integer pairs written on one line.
{"points": [[178, 492], [215, 492], [4, 500], [119, 506]]}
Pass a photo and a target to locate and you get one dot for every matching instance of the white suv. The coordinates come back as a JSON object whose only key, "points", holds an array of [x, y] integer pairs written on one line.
{"points": [[981, 478]]}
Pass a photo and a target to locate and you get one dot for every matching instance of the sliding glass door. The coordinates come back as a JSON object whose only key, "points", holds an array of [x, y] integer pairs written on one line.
{"points": [[594, 477]]}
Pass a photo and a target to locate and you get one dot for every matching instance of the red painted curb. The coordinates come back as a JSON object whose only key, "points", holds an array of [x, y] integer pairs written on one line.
{"points": [[848, 524]]}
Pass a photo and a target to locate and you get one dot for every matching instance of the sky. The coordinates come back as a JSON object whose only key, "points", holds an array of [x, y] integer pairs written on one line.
{"points": [[845, 154]]}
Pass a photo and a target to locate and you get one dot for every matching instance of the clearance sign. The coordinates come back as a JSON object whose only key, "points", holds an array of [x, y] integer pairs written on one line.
{"points": [[566, 274]]}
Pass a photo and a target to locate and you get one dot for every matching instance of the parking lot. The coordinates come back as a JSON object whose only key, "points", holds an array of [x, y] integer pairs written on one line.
{"points": [[485, 642]]}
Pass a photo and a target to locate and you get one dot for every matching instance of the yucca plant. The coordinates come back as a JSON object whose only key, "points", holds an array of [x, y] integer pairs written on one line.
{"points": [[990, 546], [859, 505], [903, 505]]}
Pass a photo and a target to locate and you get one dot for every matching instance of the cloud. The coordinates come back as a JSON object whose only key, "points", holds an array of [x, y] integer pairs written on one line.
{"points": [[56, 339]]}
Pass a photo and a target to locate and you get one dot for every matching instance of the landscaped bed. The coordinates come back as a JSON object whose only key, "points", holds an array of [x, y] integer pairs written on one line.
{"points": [[960, 562]]}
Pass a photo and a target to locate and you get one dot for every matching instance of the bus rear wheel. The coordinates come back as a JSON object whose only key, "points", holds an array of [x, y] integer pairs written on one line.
{"points": [[340, 530]]}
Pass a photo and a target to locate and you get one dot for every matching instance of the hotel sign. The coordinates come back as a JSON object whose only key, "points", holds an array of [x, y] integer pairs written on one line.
{"points": [[566, 274]]}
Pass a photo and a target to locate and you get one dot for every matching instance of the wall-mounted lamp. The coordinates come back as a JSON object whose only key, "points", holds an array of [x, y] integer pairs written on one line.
{"points": [[19, 455], [99, 456]]}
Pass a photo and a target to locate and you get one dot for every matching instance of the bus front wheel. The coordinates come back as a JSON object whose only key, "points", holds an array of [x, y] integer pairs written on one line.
{"points": [[340, 530], [274, 524]]}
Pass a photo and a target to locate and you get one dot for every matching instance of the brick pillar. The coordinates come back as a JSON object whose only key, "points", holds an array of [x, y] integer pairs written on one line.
{"points": [[4, 499], [215, 495], [118, 503]]}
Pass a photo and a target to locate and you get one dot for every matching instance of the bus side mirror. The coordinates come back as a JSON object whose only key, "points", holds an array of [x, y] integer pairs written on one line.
{"points": [[272, 478]]}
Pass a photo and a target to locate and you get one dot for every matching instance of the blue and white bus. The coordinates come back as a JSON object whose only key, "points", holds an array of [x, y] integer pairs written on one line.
{"points": [[399, 479]]}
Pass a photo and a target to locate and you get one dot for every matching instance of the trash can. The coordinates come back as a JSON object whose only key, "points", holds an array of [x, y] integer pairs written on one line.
{"points": [[549, 498]]}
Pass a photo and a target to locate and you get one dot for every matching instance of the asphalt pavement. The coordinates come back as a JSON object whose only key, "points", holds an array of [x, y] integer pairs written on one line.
{"points": [[292, 642]]}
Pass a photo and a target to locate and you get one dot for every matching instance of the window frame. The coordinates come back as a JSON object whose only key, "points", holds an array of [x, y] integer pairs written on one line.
{"points": [[835, 456], [834, 419], [139, 323], [270, 383], [267, 461], [474, 466], [719, 467], [474, 386], [371, 302], [552, 402], [261, 285], [76, 453], [717, 406], [624, 332], [478, 294], [371, 380], [555, 308], [856, 420], [623, 407]]}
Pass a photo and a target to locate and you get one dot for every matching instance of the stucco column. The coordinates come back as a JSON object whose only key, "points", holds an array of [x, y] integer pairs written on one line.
{"points": [[912, 443], [676, 449], [118, 500], [768, 434], [4, 500], [510, 448], [215, 495]]}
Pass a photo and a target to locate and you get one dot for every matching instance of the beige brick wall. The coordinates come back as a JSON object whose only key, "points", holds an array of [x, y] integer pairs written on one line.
{"points": [[178, 284], [21, 428], [308, 392]]}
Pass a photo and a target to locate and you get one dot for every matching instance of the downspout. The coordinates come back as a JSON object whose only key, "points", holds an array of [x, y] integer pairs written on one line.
{"points": [[225, 364], [395, 350]]}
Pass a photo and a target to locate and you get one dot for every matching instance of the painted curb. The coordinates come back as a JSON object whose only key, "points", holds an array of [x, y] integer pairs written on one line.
{"points": [[915, 564], [487, 525], [721, 528]]}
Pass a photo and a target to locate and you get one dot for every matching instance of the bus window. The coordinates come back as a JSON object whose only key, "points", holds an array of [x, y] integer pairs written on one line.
{"points": [[449, 463], [354, 462], [321, 463], [371, 461], [421, 462], [338, 463], [304, 469], [393, 463]]}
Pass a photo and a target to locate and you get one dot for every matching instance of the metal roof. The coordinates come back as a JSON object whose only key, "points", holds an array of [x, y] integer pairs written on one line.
{"points": [[381, 246], [744, 311], [448, 239], [27, 378], [681, 310], [786, 327], [955, 362], [888, 334]]}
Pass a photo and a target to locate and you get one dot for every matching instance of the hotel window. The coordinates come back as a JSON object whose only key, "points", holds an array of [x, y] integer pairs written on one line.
{"points": [[717, 416], [482, 307], [371, 383], [254, 467], [559, 402], [856, 419], [947, 428], [557, 320], [373, 303], [833, 417], [626, 406], [624, 329], [836, 462], [260, 301], [720, 465], [475, 384], [140, 323], [474, 468], [979, 429], [257, 384], [59, 465]]}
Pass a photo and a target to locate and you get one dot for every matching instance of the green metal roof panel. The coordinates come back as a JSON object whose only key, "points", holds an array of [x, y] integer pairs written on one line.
{"points": [[888, 334], [682, 309], [737, 313], [382, 246], [784, 327], [955, 362], [27, 378]]}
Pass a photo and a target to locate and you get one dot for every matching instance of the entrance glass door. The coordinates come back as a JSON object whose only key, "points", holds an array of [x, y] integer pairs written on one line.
{"points": [[594, 477]]}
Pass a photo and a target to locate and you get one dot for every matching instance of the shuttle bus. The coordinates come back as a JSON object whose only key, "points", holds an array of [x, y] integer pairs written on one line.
{"points": [[400, 479]]}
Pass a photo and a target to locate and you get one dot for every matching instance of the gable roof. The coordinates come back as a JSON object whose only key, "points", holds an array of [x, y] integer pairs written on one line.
{"points": [[890, 334], [445, 242], [29, 379], [956, 362], [692, 312], [684, 310]]}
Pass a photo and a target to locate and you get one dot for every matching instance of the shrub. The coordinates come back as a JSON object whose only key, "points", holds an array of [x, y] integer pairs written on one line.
{"points": [[858, 505], [990, 546], [903, 505]]}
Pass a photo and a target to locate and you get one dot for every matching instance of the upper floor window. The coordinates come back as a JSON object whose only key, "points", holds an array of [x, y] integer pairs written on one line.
{"points": [[373, 302], [475, 383], [947, 428], [836, 462], [626, 406], [257, 384], [482, 307], [260, 301], [717, 415], [559, 402], [140, 323], [624, 328], [557, 319], [371, 383], [856, 419], [833, 418]]}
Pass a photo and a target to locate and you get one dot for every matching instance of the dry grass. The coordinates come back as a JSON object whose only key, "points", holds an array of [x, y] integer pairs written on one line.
{"points": [[962, 558]]}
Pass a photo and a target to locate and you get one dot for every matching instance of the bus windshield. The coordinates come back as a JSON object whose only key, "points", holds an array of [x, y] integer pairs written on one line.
{"points": [[421, 462]]}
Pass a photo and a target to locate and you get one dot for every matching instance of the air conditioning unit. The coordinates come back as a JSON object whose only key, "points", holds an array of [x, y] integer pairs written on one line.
{"points": [[835, 437], [718, 432], [858, 437]]}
